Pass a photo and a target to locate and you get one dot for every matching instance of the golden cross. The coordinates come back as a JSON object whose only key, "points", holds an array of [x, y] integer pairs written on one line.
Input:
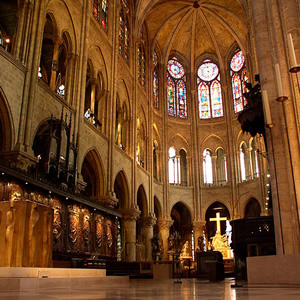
{"points": [[218, 220]]}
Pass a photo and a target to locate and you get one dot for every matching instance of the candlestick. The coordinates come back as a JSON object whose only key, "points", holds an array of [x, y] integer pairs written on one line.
{"points": [[281, 96], [266, 108], [293, 61]]}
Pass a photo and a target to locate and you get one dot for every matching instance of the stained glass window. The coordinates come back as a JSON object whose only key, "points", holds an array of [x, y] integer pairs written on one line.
{"points": [[170, 95], [104, 14], [154, 59], [155, 79], [100, 10], [121, 34], [124, 31], [155, 88], [204, 103], [125, 5], [239, 78], [96, 9], [141, 58], [209, 91], [176, 89], [181, 102], [216, 99], [126, 42]]}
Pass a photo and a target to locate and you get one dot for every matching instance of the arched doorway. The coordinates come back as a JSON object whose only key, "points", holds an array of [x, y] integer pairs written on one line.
{"points": [[218, 229], [92, 175], [122, 194], [182, 218], [141, 234], [214, 210], [252, 208], [5, 126]]}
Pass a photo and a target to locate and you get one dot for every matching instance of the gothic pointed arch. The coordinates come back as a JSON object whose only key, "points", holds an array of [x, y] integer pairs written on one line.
{"points": [[182, 217], [158, 215], [176, 89], [8, 23], [215, 210], [140, 224], [6, 129], [49, 36], [252, 208], [92, 174], [121, 190]]}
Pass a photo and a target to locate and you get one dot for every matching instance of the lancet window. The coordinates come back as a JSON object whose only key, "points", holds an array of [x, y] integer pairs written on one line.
{"points": [[124, 31], [209, 91], [176, 89], [239, 78], [141, 58], [155, 79], [207, 167], [100, 12]]}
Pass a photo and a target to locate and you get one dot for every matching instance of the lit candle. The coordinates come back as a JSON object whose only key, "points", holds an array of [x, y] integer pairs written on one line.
{"points": [[266, 108], [278, 81], [293, 59]]}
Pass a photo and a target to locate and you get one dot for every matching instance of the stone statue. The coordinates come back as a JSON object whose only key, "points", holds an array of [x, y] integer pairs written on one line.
{"points": [[220, 243], [185, 249], [86, 231], [200, 244], [46, 239], [109, 236], [9, 232], [34, 217], [99, 231], [156, 248]]}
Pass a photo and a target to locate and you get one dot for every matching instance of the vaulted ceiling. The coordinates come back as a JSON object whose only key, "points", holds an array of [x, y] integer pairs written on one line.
{"points": [[193, 28]]}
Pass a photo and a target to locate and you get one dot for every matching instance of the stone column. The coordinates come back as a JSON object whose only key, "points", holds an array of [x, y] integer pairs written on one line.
{"points": [[214, 169], [178, 173], [93, 94], [164, 230], [24, 24], [54, 70], [249, 149], [70, 78], [189, 170], [282, 140], [148, 224], [130, 217]]}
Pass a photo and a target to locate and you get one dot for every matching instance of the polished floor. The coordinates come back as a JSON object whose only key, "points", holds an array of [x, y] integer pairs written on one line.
{"points": [[188, 289]]}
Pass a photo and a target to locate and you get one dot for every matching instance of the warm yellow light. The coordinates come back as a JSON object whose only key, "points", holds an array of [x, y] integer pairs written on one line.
{"points": [[7, 40]]}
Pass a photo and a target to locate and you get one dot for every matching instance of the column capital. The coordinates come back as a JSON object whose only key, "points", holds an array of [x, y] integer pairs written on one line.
{"points": [[109, 199], [131, 214], [149, 221], [57, 41], [198, 225], [93, 81], [165, 224]]}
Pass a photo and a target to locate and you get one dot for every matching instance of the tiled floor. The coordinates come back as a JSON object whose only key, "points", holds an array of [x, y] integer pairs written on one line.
{"points": [[189, 289]]}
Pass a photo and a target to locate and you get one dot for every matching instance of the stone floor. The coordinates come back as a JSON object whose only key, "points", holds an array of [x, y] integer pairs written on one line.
{"points": [[188, 289]]}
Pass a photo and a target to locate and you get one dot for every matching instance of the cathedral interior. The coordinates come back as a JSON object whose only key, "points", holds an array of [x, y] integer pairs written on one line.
{"points": [[130, 130]]}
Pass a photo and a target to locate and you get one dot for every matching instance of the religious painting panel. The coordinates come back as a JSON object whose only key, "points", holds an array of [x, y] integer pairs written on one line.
{"points": [[99, 234], [86, 231], [73, 228], [57, 224], [109, 237]]}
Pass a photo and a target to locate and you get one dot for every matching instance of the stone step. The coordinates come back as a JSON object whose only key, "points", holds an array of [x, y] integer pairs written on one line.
{"points": [[22, 284]]}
